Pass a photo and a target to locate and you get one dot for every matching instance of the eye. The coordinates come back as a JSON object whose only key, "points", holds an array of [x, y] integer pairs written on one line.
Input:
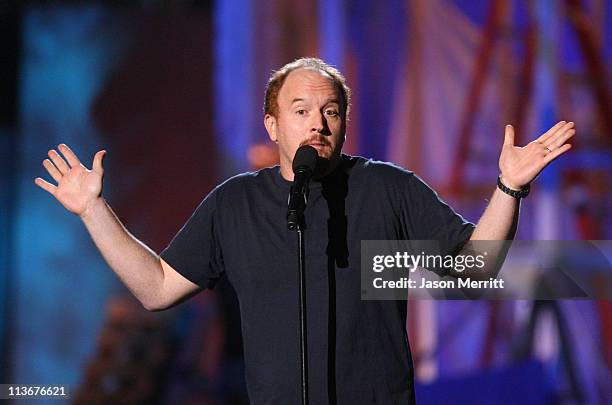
{"points": [[331, 113], [301, 111]]}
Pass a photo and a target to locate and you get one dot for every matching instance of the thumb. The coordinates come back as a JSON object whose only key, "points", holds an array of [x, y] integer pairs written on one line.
{"points": [[509, 137], [97, 162]]}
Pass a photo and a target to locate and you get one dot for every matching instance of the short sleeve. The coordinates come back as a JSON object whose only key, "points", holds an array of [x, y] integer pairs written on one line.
{"points": [[427, 217], [195, 251]]}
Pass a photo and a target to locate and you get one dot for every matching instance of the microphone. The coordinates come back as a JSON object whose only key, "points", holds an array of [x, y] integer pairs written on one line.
{"points": [[304, 164]]}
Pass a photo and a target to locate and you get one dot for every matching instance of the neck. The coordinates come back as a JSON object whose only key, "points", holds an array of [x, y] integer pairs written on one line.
{"points": [[286, 172]]}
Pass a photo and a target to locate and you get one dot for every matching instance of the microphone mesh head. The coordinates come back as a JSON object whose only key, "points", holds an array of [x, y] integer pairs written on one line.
{"points": [[305, 159]]}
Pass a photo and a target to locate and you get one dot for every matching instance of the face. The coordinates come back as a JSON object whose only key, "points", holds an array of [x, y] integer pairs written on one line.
{"points": [[309, 113]]}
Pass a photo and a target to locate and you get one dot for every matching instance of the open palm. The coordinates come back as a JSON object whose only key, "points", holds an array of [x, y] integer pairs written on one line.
{"points": [[77, 187], [519, 166]]}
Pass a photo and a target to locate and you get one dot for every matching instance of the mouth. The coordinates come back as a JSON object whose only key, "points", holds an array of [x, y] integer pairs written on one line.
{"points": [[318, 145]]}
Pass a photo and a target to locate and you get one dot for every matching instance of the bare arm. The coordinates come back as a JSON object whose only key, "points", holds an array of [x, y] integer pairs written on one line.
{"points": [[154, 283], [519, 166], [499, 220]]}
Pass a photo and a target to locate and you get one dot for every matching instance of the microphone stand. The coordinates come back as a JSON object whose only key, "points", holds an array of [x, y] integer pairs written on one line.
{"points": [[303, 349], [297, 199], [304, 164]]}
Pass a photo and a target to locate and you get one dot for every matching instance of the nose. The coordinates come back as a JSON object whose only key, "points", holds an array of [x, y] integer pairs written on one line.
{"points": [[319, 124]]}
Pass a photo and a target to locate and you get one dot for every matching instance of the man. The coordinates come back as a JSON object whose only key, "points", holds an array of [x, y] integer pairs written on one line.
{"points": [[357, 350]]}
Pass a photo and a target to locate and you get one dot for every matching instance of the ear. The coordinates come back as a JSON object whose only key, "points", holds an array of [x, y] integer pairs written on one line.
{"points": [[270, 124]]}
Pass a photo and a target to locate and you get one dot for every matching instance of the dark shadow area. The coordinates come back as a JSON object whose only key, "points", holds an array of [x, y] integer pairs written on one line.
{"points": [[335, 191]]}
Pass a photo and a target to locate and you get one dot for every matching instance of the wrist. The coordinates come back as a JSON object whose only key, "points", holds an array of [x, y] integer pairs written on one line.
{"points": [[91, 209], [510, 184], [511, 190]]}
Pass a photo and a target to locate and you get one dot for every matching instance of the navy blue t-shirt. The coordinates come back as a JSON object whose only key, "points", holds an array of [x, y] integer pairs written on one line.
{"points": [[358, 350]]}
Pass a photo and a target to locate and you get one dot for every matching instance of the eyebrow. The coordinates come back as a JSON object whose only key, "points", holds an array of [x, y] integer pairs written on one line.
{"points": [[328, 101]]}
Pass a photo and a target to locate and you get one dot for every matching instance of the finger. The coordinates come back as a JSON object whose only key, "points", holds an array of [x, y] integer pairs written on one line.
{"points": [[560, 140], [45, 185], [556, 153], [551, 131], [52, 170], [509, 136], [561, 132], [59, 162], [72, 159], [98, 162]]}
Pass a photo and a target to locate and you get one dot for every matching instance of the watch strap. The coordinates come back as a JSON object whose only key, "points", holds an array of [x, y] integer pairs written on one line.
{"points": [[518, 194]]}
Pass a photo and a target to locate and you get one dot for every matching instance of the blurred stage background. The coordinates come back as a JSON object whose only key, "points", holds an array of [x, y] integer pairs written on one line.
{"points": [[174, 90]]}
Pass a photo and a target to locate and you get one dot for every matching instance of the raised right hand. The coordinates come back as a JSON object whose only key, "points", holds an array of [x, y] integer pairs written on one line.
{"points": [[77, 187]]}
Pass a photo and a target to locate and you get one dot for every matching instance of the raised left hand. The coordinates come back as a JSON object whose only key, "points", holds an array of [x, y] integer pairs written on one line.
{"points": [[519, 166]]}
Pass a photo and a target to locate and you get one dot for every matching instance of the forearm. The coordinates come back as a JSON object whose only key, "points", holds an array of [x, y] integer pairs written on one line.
{"points": [[498, 223], [137, 266], [500, 219]]}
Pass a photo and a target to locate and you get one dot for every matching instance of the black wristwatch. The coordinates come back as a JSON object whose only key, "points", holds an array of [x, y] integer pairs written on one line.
{"points": [[518, 194]]}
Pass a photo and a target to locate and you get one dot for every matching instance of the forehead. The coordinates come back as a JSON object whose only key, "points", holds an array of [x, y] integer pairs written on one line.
{"points": [[304, 83]]}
